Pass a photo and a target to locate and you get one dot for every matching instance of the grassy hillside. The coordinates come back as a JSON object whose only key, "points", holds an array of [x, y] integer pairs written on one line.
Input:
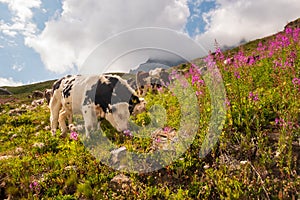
{"points": [[257, 155], [28, 89]]}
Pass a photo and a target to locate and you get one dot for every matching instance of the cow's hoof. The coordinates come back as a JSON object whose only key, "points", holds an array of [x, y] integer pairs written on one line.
{"points": [[72, 127], [53, 132], [63, 135]]}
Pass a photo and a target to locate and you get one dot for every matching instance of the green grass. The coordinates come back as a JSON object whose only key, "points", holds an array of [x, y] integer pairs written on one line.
{"points": [[256, 157]]}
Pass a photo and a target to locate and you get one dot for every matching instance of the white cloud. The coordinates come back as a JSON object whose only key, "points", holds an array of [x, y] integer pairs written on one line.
{"points": [[21, 8], [17, 68], [234, 21], [66, 41], [9, 82], [9, 33], [22, 15]]}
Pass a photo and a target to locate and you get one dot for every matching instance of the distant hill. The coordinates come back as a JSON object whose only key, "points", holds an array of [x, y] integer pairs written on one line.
{"points": [[25, 90]]}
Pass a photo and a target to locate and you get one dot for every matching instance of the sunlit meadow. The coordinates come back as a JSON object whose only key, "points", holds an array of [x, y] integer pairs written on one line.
{"points": [[257, 156]]}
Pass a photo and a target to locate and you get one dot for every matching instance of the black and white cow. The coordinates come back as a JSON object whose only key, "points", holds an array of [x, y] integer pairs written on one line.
{"points": [[105, 96]]}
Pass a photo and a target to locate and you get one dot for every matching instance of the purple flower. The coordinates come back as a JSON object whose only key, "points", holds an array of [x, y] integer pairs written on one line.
{"points": [[195, 79], [198, 93], [250, 95], [160, 89], [285, 41], [260, 47], [34, 186], [209, 60], [253, 96], [158, 140], [296, 81], [174, 75], [227, 102], [237, 75], [167, 129], [280, 122], [288, 30], [127, 133], [201, 81], [74, 136], [194, 66], [184, 83], [277, 63], [296, 34], [219, 54]]}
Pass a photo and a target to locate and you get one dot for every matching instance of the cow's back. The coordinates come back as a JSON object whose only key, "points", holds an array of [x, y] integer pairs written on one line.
{"points": [[81, 85]]}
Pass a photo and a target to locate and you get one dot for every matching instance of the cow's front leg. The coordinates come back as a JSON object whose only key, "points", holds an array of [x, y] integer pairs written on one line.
{"points": [[54, 114], [90, 118], [63, 114]]}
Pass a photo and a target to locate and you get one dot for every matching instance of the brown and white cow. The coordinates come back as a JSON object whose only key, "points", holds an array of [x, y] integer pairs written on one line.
{"points": [[151, 80], [48, 95], [37, 94], [106, 96]]}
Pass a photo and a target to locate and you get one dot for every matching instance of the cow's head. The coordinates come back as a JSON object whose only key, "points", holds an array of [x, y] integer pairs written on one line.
{"points": [[118, 116], [137, 105]]}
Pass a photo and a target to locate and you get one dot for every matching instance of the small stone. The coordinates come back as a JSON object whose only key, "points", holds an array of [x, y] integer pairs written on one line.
{"points": [[19, 150], [5, 157], [39, 145], [71, 167], [206, 166], [13, 136], [243, 162], [116, 155], [121, 182]]}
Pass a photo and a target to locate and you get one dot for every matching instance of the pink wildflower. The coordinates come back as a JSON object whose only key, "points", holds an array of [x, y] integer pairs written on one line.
{"points": [[280, 122], [127, 133], [227, 102], [260, 47], [160, 89], [158, 140], [288, 30], [198, 93], [195, 79], [296, 81], [237, 75], [74, 136], [34, 186], [253, 97], [167, 129]]}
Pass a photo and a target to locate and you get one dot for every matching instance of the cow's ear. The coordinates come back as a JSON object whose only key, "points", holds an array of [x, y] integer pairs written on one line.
{"points": [[135, 100]]}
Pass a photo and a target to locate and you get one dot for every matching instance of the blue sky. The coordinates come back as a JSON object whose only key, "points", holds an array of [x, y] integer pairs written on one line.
{"points": [[46, 39]]}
